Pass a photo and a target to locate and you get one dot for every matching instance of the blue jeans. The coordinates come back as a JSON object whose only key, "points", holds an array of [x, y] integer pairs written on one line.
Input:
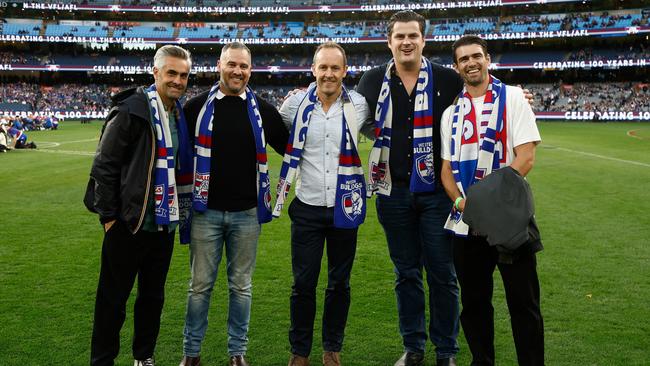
{"points": [[239, 232], [413, 224]]}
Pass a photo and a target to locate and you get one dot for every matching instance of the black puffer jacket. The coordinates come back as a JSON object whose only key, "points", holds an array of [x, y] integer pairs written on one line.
{"points": [[122, 173]]}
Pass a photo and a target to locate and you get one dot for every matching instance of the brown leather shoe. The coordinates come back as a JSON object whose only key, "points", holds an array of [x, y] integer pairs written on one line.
{"points": [[238, 361], [331, 358], [190, 361], [296, 360]]}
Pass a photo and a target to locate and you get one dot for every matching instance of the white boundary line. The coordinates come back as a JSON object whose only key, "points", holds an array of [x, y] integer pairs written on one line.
{"points": [[600, 156], [47, 146], [67, 152], [69, 142]]}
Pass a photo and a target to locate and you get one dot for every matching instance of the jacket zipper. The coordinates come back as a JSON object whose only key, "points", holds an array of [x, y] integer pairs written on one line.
{"points": [[146, 193]]}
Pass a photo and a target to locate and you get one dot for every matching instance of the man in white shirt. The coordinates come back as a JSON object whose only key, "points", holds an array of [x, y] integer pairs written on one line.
{"points": [[330, 199], [490, 127]]}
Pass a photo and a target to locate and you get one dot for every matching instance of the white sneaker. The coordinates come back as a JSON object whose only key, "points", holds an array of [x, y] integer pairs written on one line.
{"points": [[147, 362]]}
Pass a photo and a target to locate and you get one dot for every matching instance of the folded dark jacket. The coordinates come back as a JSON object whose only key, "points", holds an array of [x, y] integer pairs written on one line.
{"points": [[501, 208]]}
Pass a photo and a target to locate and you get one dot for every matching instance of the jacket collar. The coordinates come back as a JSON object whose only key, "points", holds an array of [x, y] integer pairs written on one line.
{"points": [[135, 99]]}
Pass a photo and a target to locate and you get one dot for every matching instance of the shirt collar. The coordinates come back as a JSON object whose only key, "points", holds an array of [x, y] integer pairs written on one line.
{"points": [[220, 94]]}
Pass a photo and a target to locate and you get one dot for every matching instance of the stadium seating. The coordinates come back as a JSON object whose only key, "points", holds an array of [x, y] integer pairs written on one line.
{"points": [[451, 27], [143, 31], [22, 29], [344, 29], [369, 28], [283, 30], [76, 30], [209, 31]]}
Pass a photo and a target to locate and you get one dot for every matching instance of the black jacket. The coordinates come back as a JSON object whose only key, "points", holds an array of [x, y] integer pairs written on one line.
{"points": [[122, 172], [501, 207]]}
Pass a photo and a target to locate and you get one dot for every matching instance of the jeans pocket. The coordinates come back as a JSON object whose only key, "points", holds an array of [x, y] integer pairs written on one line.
{"points": [[251, 212]]}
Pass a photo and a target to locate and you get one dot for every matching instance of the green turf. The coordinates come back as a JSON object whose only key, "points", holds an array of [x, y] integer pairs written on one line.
{"points": [[594, 272]]}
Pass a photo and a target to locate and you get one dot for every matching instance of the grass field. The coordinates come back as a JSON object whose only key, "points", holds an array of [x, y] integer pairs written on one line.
{"points": [[592, 190]]}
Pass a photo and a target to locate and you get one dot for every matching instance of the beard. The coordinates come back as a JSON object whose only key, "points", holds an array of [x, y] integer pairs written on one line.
{"points": [[472, 80], [234, 88]]}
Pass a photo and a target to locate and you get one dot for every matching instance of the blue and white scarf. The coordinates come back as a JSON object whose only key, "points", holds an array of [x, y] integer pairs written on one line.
{"points": [[203, 147], [474, 155], [423, 172], [172, 193], [349, 204]]}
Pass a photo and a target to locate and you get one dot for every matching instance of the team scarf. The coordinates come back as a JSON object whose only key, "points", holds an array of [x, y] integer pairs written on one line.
{"points": [[422, 172], [349, 204], [172, 193], [473, 152], [203, 148]]}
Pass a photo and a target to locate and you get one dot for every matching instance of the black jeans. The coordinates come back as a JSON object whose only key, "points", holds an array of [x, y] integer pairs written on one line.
{"points": [[311, 226], [124, 256], [475, 261]]}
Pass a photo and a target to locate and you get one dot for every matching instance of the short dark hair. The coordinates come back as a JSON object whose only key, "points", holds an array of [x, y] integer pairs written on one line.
{"points": [[330, 44], [235, 46], [468, 40], [406, 16]]}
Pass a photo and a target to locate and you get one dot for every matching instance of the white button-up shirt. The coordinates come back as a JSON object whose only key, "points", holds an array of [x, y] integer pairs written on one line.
{"points": [[318, 167]]}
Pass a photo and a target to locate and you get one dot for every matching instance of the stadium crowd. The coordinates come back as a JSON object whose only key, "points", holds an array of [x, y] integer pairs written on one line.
{"points": [[366, 28], [356, 59], [32, 97], [631, 52], [602, 96], [596, 97]]}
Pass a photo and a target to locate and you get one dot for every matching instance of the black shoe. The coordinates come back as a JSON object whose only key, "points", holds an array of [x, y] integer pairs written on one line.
{"points": [[411, 359], [451, 361]]}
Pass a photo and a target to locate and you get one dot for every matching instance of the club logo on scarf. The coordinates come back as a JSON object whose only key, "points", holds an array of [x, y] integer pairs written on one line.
{"points": [[267, 192], [378, 174], [352, 203], [158, 196], [171, 199], [283, 186], [424, 166], [159, 191], [378, 171], [201, 185]]}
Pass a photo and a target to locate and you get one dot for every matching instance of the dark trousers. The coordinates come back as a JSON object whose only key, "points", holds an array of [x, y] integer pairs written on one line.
{"points": [[311, 226], [124, 256], [413, 224], [475, 261]]}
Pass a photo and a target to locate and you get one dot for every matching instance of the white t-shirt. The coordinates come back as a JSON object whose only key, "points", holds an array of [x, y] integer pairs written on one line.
{"points": [[520, 123]]}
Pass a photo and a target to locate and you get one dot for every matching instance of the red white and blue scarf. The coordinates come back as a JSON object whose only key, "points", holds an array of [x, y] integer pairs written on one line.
{"points": [[423, 171], [203, 147], [172, 192], [475, 154], [349, 204]]}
